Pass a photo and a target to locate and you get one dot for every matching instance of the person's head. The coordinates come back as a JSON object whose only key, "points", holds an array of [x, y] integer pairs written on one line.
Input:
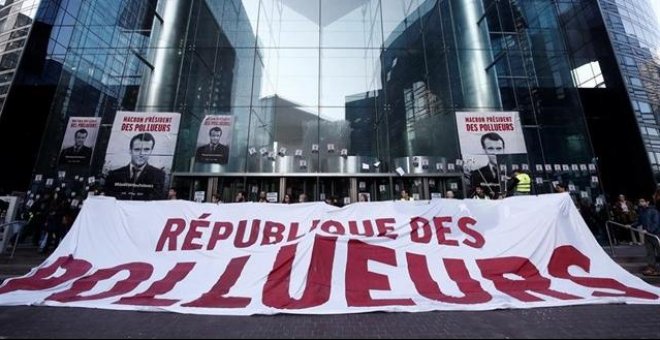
{"points": [[363, 197], [171, 194], [214, 135], [560, 187], [262, 196], [643, 202], [404, 194], [622, 198], [240, 197], [215, 198], [80, 137], [286, 199], [479, 190], [141, 147], [493, 144], [302, 198], [449, 194]]}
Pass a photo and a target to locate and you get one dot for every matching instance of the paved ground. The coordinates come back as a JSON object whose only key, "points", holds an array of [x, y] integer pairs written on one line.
{"points": [[596, 321]]}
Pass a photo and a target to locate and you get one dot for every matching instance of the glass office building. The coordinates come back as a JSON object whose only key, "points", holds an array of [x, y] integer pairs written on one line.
{"points": [[330, 98]]}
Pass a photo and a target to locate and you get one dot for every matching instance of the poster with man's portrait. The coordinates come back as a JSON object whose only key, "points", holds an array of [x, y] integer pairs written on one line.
{"points": [[79, 141], [213, 140], [482, 137], [140, 152]]}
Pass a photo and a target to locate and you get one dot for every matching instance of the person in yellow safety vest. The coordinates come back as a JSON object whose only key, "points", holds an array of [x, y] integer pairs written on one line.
{"points": [[520, 184]]}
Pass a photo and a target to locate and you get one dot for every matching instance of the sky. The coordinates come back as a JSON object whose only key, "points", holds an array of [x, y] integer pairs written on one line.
{"points": [[656, 8]]}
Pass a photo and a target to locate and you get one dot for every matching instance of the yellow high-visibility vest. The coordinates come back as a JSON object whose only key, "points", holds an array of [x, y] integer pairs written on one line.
{"points": [[524, 183]]}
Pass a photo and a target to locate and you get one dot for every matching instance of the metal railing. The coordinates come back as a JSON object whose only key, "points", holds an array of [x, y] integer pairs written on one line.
{"points": [[632, 229], [15, 227]]}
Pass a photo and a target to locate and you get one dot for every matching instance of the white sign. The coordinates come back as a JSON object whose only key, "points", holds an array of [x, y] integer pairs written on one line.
{"points": [[484, 133], [539, 167], [314, 258], [140, 154], [214, 139], [79, 141], [200, 196], [271, 197]]}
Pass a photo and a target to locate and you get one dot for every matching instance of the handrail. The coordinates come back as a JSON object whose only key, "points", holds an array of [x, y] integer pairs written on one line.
{"points": [[625, 226], [18, 234]]}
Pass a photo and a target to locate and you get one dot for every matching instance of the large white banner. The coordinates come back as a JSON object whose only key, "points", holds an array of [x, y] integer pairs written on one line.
{"points": [[140, 154], [213, 140], [79, 141], [249, 258]]}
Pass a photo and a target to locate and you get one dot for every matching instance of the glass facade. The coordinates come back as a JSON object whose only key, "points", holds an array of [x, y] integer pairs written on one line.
{"points": [[614, 48], [635, 36], [16, 18], [319, 88]]}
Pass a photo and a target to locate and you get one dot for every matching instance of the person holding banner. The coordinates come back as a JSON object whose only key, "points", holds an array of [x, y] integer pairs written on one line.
{"points": [[78, 153], [488, 177], [213, 152], [137, 180]]}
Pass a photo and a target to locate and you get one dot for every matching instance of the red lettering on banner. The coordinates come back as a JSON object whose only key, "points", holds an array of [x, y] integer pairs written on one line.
{"points": [[368, 228], [137, 272], [193, 233], [333, 227], [566, 256], [293, 232], [495, 269], [319, 276], [148, 298], [441, 230], [216, 235], [315, 224], [385, 227], [173, 228], [418, 269], [417, 225], [41, 279], [215, 298], [239, 241], [273, 230], [359, 280], [464, 224]]}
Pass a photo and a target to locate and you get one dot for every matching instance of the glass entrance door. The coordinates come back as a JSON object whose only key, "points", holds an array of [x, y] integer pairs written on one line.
{"points": [[295, 186], [267, 188], [336, 191], [438, 187]]}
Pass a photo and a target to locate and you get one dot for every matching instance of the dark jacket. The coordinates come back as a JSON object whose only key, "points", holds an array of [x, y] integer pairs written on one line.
{"points": [[209, 154], [72, 156], [150, 184], [649, 219]]}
